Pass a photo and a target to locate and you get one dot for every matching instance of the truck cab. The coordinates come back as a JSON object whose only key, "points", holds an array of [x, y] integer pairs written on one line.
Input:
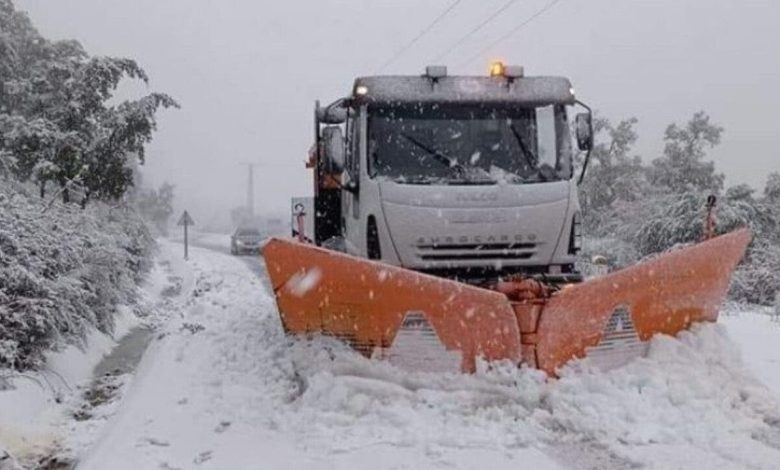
{"points": [[467, 177]]}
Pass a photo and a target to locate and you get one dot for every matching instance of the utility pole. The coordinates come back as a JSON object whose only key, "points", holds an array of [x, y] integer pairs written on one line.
{"points": [[250, 189]]}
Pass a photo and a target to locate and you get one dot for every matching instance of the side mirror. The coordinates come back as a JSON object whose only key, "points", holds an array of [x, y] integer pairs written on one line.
{"points": [[334, 113], [584, 127], [333, 148]]}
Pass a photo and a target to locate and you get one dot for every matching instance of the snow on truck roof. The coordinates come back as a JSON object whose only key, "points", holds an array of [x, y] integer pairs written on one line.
{"points": [[534, 91]]}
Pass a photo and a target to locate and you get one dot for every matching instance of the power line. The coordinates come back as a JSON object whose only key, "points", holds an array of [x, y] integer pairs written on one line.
{"points": [[511, 32], [476, 29], [420, 35]]}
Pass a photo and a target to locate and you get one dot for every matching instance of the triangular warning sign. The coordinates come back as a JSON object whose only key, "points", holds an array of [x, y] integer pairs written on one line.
{"points": [[185, 219]]}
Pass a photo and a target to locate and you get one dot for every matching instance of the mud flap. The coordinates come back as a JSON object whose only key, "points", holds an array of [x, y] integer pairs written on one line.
{"points": [[367, 303]]}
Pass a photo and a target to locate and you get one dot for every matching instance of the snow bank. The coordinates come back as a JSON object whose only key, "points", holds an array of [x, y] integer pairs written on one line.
{"points": [[58, 411], [225, 388], [758, 334], [38, 402], [63, 272], [692, 391], [775, 311], [7, 461]]}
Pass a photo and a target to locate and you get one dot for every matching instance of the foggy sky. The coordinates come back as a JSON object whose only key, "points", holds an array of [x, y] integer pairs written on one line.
{"points": [[248, 71]]}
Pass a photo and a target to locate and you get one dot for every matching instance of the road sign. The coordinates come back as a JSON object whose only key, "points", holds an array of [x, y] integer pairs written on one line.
{"points": [[185, 221]]}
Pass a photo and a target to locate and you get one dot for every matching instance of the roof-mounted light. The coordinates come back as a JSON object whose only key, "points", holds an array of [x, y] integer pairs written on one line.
{"points": [[361, 90], [497, 69], [436, 71]]}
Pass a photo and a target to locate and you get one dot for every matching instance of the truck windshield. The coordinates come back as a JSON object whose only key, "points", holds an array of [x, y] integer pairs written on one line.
{"points": [[469, 144]]}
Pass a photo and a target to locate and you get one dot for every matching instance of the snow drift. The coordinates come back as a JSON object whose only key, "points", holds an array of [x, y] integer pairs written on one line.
{"points": [[236, 382]]}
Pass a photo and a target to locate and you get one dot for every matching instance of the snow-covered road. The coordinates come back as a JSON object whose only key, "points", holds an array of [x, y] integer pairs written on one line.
{"points": [[222, 387]]}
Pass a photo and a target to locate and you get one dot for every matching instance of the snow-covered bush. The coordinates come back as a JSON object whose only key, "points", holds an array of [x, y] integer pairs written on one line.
{"points": [[679, 218], [757, 279], [670, 220], [777, 306], [62, 271], [156, 206], [632, 210]]}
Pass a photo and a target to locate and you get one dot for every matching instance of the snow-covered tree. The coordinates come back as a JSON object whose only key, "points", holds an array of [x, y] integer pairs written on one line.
{"points": [[772, 188], [56, 123], [156, 205], [757, 279], [682, 167], [678, 218], [613, 174]]}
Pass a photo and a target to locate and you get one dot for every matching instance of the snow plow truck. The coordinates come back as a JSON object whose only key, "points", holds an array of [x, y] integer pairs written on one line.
{"points": [[446, 228]]}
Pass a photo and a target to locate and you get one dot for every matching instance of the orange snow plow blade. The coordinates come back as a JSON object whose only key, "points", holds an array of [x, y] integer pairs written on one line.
{"points": [[429, 323], [366, 304], [663, 295]]}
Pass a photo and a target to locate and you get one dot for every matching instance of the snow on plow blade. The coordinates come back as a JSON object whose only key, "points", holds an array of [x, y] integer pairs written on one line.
{"points": [[428, 323]]}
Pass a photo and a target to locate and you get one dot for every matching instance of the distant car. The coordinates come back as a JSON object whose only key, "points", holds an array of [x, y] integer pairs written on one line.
{"points": [[245, 240]]}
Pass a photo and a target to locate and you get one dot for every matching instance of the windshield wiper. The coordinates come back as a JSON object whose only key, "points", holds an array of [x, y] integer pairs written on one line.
{"points": [[440, 157], [467, 182], [529, 156]]}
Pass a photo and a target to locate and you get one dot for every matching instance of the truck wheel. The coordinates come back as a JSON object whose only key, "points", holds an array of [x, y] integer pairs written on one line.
{"points": [[374, 250]]}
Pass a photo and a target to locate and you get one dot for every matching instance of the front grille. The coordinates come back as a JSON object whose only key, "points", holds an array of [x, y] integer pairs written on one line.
{"points": [[474, 251], [479, 246], [474, 256]]}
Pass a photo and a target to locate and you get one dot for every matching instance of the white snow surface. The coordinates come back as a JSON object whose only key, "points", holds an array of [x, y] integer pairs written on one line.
{"points": [[224, 388], [757, 337], [34, 409], [37, 410]]}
